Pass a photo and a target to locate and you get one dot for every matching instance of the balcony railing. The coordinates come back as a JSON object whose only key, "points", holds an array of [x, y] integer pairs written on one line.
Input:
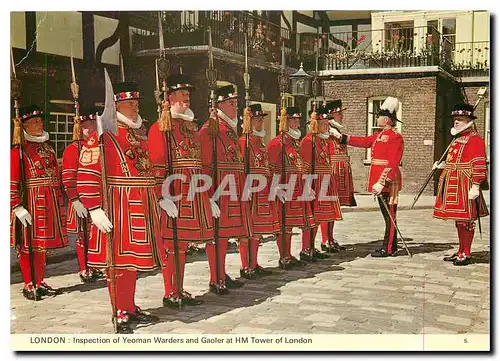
{"points": [[471, 59], [388, 48], [265, 38], [384, 48], [404, 47]]}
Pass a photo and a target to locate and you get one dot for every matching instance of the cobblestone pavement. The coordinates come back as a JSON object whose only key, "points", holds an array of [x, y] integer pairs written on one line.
{"points": [[348, 293]]}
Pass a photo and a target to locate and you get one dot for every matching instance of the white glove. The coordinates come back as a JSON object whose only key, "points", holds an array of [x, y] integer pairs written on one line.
{"points": [[215, 209], [335, 133], [23, 216], [281, 194], [169, 206], [80, 209], [474, 191], [101, 220], [438, 166], [377, 188]]}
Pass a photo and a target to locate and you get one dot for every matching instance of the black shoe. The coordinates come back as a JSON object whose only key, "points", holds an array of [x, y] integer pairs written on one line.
{"points": [[189, 300], [97, 274], [306, 256], [318, 255], [87, 278], [262, 271], [382, 253], [45, 290], [29, 293], [122, 324], [337, 246], [171, 302], [462, 262], [141, 316], [230, 283], [329, 248], [219, 289], [296, 263], [248, 274], [285, 264], [451, 258]]}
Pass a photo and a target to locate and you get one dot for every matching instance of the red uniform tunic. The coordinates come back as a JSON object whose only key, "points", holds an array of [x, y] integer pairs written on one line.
{"points": [[264, 212], [194, 223], [465, 166], [298, 213], [69, 172], [387, 150], [132, 203], [45, 201], [342, 173], [234, 221], [323, 210]]}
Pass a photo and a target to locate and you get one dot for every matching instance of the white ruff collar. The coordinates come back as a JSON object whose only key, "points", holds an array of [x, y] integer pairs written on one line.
{"points": [[260, 134], [294, 133], [188, 115], [454, 131], [232, 122], [324, 135], [36, 139], [134, 125], [333, 123]]}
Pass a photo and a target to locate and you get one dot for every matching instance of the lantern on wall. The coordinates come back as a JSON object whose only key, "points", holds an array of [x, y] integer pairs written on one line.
{"points": [[301, 83]]}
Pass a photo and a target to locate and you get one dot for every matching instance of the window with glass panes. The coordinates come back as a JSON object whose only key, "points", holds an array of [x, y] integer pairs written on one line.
{"points": [[60, 124], [449, 31], [373, 108], [399, 36]]}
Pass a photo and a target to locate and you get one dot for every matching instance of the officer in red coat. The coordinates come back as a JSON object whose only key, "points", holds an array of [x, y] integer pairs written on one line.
{"points": [[234, 220], [459, 195], [291, 200], [193, 214], [263, 211], [384, 179], [127, 210], [316, 150], [40, 220], [342, 174], [85, 126]]}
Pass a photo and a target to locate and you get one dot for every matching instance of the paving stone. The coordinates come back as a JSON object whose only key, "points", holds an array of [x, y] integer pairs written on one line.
{"points": [[403, 318], [348, 293], [461, 321]]}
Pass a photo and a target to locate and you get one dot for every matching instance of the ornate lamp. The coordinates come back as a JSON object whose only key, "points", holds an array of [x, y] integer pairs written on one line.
{"points": [[301, 83]]}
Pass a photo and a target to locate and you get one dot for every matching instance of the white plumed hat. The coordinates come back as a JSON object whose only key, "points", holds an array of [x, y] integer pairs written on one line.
{"points": [[389, 108]]}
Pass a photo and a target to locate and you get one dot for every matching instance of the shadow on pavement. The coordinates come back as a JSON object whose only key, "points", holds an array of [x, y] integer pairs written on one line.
{"points": [[257, 291], [482, 257]]}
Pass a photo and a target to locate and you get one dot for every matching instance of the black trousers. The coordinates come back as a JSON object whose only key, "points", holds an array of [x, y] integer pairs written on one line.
{"points": [[391, 235]]}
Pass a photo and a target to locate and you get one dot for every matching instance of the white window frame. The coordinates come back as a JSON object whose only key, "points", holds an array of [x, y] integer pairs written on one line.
{"points": [[289, 100], [370, 127], [53, 123]]}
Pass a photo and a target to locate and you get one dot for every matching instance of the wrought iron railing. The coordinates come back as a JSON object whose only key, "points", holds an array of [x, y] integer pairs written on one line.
{"points": [[387, 48], [471, 59], [383, 48], [228, 28]]}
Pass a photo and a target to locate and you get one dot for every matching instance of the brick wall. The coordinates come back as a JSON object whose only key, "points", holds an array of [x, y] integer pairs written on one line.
{"points": [[418, 98]]}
